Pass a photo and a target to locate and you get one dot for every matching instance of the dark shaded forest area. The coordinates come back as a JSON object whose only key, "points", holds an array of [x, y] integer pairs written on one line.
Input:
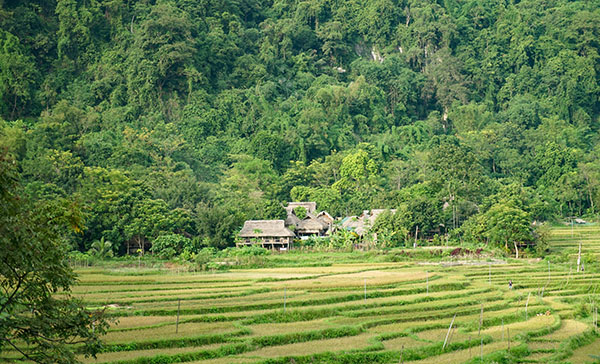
{"points": [[183, 117]]}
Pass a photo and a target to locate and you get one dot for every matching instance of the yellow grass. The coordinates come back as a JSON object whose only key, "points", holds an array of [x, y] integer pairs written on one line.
{"points": [[390, 328], [461, 356], [136, 321], [265, 298], [402, 342], [126, 355], [567, 329], [540, 357], [334, 269], [557, 305], [166, 276], [373, 278], [543, 345], [314, 347], [289, 327], [440, 335], [133, 288], [534, 323], [429, 305], [228, 360], [342, 320], [136, 295], [168, 332], [582, 354]]}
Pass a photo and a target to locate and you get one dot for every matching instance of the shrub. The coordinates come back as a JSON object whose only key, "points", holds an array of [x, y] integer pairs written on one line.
{"points": [[101, 249], [246, 251], [77, 257], [582, 310], [171, 245], [204, 256]]}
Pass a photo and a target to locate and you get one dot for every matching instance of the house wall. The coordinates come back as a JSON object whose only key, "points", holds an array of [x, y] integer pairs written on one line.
{"points": [[269, 242], [309, 232]]}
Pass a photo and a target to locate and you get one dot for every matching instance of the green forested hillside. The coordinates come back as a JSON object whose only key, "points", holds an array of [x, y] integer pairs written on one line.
{"points": [[188, 117]]}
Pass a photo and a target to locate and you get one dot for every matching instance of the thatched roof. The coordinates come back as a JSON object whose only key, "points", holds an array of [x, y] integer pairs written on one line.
{"points": [[265, 228], [311, 224], [292, 220], [325, 217], [360, 224], [354, 223], [309, 206], [376, 212]]}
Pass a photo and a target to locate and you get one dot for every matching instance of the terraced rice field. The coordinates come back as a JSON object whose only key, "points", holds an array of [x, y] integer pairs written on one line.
{"points": [[325, 315]]}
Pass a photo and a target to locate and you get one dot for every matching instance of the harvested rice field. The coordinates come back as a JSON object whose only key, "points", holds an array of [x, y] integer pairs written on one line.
{"points": [[454, 311]]}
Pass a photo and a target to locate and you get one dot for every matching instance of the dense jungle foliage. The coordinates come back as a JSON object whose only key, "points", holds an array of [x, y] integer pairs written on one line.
{"points": [[164, 118]]}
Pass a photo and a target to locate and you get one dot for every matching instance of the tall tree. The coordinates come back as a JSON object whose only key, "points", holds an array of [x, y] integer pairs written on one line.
{"points": [[18, 76], [35, 322]]}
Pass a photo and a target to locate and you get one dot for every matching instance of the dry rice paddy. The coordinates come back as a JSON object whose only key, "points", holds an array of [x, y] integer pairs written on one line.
{"points": [[325, 315]]}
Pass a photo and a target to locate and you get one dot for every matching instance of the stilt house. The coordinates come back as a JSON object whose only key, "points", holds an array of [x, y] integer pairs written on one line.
{"points": [[270, 234]]}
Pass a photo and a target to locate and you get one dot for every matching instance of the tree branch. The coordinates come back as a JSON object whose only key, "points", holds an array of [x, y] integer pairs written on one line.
{"points": [[19, 350]]}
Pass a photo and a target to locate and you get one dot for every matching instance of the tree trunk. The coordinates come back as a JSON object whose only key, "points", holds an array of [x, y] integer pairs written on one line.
{"points": [[560, 206], [516, 250], [140, 244], [14, 110], [589, 190]]}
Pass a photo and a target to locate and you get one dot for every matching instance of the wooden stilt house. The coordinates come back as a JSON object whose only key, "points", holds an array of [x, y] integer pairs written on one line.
{"points": [[270, 234]]}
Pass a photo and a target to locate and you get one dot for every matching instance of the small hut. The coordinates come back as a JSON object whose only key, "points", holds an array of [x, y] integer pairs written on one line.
{"points": [[310, 207], [311, 226], [270, 234], [325, 217], [355, 224], [360, 225]]}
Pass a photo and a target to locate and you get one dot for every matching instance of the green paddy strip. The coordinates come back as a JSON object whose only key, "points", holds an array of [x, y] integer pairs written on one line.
{"points": [[248, 345], [426, 309], [324, 301], [176, 343], [295, 316], [185, 285], [419, 353], [151, 282], [286, 339], [189, 298], [566, 349], [375, 286], [543, 331]]}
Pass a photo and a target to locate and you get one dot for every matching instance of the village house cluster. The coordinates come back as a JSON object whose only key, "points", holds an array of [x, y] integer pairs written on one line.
{"points": [[302, 222]]}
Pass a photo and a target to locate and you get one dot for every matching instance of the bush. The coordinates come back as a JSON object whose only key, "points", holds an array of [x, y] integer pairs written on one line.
{"points": [[246, 251], [169, 246], [248, 256], [79, 258], [204, 256], [582, 310]]}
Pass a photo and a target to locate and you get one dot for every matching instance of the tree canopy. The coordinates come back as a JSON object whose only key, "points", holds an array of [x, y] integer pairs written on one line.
{"points": [[172, 117], [34, 321]]}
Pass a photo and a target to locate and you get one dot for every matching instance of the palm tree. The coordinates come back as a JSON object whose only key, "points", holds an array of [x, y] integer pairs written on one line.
{"points": [[101, 249]]}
